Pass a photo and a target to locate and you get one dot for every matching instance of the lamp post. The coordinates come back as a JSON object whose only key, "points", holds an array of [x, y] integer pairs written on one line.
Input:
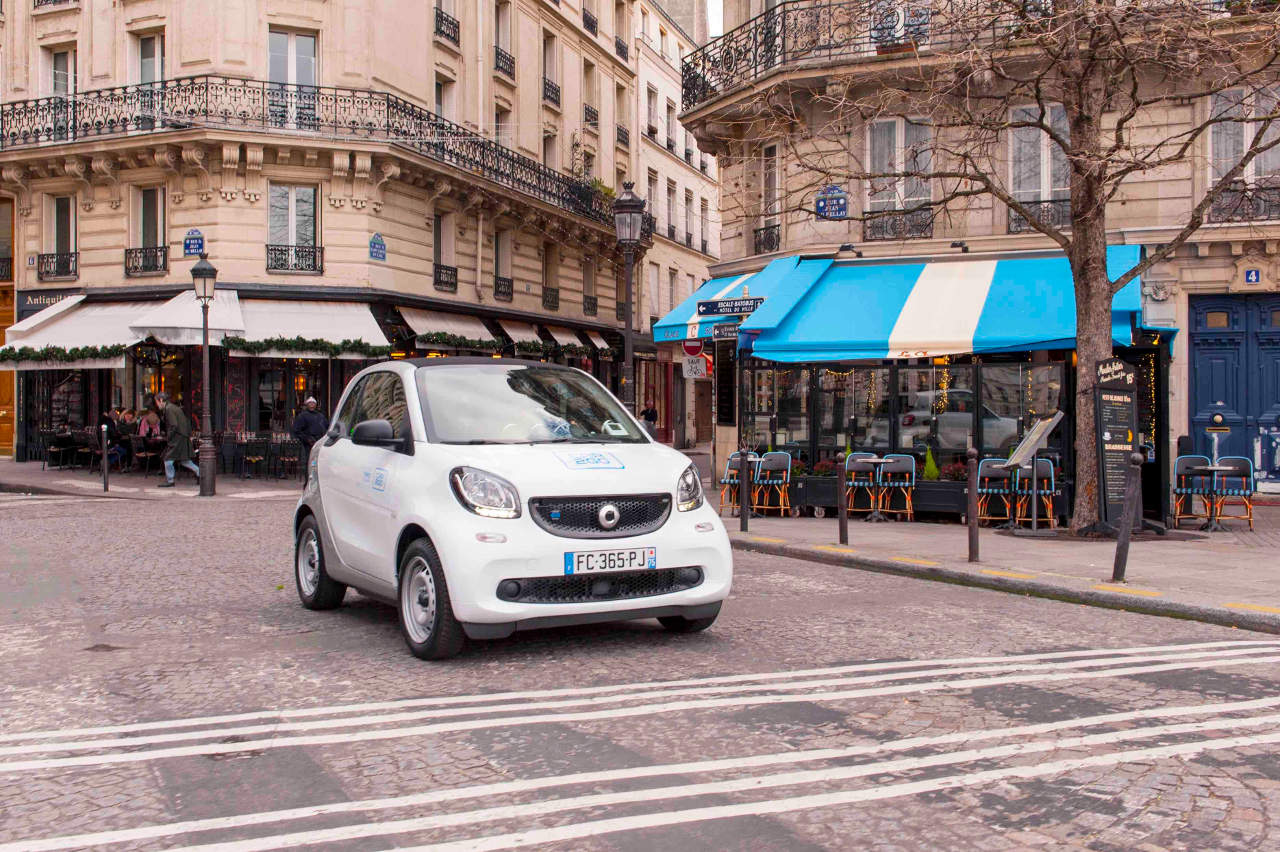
{"points": [[204, 277], [628, 220]]}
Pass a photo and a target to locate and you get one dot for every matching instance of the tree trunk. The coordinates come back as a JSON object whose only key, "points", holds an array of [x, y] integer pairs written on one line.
{"points": [[1093, 344]]}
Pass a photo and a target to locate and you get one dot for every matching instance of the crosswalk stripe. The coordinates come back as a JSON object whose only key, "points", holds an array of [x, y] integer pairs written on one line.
{"points": [[579, 778], [416, 715], [611, 714]]}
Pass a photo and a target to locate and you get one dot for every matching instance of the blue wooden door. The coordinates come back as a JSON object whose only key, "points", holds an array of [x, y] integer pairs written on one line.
{"points": [[1264, 389]]}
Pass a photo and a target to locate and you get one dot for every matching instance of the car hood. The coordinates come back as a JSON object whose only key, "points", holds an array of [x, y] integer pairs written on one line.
{"points": [[548, 470]]}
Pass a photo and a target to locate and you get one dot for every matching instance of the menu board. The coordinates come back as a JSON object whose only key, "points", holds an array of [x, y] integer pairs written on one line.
{"points": [[1117, 418]]}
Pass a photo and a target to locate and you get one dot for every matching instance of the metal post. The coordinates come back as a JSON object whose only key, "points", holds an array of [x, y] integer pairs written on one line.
{"points": [[744, 488], [1127, 517], [207, 471], [842, 511], [106, 461], [1035, 493], [628, 343], [971, 514]]}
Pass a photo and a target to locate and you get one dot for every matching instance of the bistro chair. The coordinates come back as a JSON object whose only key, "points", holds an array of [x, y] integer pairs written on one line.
{"points": [[255, 454], [1187, 487], [860, 476], [898, 476], [86, 449], [289, 459], [1235, 488], [729, 482], [772, 478], [1046, 488], [143, 453], [47, 445], [995, 482]]}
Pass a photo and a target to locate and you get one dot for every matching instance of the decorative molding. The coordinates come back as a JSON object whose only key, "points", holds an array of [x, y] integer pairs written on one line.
{"points": [[166, 158], [253, 173], [362, 167], [77, 169], [340, 170], [195, 158], [104, 166], [1252, 260], [230, 165], [388, 170], [13, 177]]}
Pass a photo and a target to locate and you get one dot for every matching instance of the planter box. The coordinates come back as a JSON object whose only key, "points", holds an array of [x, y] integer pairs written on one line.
{"points": [[813, 491], [940, 495]]}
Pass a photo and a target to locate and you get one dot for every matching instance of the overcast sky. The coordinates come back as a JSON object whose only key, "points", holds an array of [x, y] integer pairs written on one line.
{"points": [[715, 17]]}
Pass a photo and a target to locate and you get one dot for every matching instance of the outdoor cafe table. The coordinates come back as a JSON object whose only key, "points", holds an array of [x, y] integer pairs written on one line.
{"points": [[875, 517], [1211, 471]]}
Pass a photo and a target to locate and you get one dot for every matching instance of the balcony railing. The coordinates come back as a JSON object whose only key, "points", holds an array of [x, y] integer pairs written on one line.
{"points": [[447, 26], [445, 278], [620, 310], [149, 260], [504, 62], [624, 136], [767, 239], [37, 4], [295, 259], [590, 305], [6, 269], [1245, 203], [590, 116], [551, 298], [704, 247], [1055, 213], [228, 103], [58, 267], [688, 238], [620, 48], [589, 23], [671, 142], [550, 91], [671, 232], [503, 288], [898, 225]]}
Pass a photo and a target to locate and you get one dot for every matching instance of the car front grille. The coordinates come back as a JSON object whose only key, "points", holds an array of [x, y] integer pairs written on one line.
{"points": [[585, 588], [579, 517]]}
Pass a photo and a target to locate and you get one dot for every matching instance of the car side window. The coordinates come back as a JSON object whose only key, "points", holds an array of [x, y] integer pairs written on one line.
{"points": [[383, 398], [346, 417]]}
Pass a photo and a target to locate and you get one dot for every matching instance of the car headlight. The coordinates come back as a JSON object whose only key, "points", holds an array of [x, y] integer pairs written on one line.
{"points": [[485, 494], [689, 490]]}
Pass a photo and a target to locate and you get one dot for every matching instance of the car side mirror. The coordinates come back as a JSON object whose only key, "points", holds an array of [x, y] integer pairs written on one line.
{"points": [[375, 433]]}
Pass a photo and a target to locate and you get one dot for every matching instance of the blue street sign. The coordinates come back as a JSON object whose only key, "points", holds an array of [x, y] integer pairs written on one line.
{"points": [[728, 307], [377, 247], [1253, 276], [832, 202], [193, 244], [725, 331]]}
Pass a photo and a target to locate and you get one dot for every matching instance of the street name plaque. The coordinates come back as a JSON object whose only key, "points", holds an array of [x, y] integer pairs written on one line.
{"points": [[728, 307]]}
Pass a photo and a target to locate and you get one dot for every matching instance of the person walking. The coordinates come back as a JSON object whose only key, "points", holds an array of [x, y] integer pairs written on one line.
{"points": [[308, 427], [178, 446]]}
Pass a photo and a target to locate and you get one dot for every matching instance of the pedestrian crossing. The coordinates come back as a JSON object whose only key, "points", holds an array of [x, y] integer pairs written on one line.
{"points": [[590, 802]]}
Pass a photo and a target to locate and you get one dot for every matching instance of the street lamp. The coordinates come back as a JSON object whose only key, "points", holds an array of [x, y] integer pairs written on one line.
{"points": [[628, 220], [204, 277]]}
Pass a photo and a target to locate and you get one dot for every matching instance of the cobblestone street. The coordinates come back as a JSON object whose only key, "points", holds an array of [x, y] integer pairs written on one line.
{"points": [[163, 688]]}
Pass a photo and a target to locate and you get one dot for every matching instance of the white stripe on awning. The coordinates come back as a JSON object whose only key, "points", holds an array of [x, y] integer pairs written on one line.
{"points": [[178, 322], [942, 311], [70, 323], [564, 336], [520, 331], [315, 320], [597, 341], [434, 322]]}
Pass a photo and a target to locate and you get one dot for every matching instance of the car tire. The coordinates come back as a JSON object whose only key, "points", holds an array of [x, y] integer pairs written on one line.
{"points": [[316, 589], [426, 613], [680, 624]]}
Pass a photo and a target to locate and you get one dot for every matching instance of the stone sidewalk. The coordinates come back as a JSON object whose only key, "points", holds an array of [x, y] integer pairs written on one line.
{"points": [[1230, 578], [28, 478]]}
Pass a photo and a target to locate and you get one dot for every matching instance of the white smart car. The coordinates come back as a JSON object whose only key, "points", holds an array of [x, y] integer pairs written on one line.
{"points": [[483, 496]]}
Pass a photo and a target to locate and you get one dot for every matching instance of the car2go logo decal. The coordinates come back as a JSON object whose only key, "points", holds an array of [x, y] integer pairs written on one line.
{"points": [[600, 561], [591, 461]]}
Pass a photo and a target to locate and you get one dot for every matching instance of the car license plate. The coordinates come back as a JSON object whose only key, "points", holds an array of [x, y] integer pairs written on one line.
{"points": [[600, 561]]}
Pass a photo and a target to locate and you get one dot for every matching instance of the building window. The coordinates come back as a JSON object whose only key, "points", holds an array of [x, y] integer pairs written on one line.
{"points": [[502, 25], [653, 191], [652, 114], [59, 259], [149, 252], [502, 252], [1039, 167], [672, 276], [291, 69], [62, 71], [550, 287], [292, 228], [549, 58], [898, 145], [549, 151], [1231, 138], [769, 201], [444, 97], [588, 277], [671, 126], [703, 211], [651, 289], [150, 58], [502, 126], [673, 216]]}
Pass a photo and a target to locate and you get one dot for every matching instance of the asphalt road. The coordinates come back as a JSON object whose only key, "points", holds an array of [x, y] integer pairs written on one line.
{"points": [[161, 688]]}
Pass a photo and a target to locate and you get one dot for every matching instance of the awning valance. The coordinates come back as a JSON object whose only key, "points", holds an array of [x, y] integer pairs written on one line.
{"points": [[178, 322], [71, 324], [334, 322], [426, 323], [563, 336], [597, 341], [520, 332]]}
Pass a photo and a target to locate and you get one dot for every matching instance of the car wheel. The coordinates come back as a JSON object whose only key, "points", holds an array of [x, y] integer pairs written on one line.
{"points": [[426, 613], [680, 624], [316, 589]]}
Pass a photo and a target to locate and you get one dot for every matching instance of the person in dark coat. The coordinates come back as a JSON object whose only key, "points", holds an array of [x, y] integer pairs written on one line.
{"points": [[308, 427], [178, 447]]}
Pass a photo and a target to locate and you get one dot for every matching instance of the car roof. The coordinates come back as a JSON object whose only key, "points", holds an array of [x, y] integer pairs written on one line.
{"points": [[479, 359]]}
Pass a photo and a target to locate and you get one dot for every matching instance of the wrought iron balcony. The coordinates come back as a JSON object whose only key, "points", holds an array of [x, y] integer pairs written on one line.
{"points": [[589, 23], [590, 305], [704, 247], [504, 62], [37, 4], [551, 298], [503, 288], [228, 103], [671, 141], [550, 91], [1056, 213], [620, 310], [620, 48], [688, 156], [671, 232], [702, 165], [590, 116], [688, 238], [149, 260], [445, 278], [295, 259], [624, 136], [767, 239], [6, 269], [1246, 203], [898, 225], [58, 267], [447, 26]]}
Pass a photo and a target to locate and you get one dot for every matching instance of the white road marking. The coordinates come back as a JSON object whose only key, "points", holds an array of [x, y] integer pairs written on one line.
{"points": [[416, 715], [305, 712], [614, 713], [696, 767]]}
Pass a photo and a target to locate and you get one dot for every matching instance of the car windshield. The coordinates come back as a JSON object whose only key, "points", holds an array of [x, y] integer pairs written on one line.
{"points": [[520, 404]]}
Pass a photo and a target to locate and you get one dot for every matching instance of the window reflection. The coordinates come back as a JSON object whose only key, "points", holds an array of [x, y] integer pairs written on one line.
{"points": [[935, 410], [1015, 396]]}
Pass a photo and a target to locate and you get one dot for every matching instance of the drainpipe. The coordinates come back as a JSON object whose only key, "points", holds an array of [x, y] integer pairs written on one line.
{"points": [[480, 254]]}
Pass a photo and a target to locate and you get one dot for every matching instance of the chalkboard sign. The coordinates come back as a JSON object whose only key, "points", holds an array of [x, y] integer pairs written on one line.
{"points": [[1115, 400]]}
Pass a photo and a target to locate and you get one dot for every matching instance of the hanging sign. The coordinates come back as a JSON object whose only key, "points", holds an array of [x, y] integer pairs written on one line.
{"points": [[725, 331], [193, 244], [831, 202], [1115, 400], [377, 247], [728, 307]]}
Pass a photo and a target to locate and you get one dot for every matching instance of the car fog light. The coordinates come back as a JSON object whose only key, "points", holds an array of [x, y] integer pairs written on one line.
{"points": [[705, 526], [690, 576], [509, 589], [491, 538]]}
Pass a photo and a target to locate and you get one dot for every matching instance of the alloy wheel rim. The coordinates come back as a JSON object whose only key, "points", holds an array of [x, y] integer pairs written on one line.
{"points": [[308, 563], [418, 603]]}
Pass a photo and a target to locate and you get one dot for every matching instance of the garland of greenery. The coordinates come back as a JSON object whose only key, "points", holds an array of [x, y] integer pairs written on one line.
{"points": [[576, 350], [310, 346], [444, 338], [59, 354], [540, 348]]}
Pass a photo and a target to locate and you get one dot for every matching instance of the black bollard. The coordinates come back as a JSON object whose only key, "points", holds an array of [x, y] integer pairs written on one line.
{"points": [[744, 488], [106, 461], [842, 511], [972, 512], [1127, 517]]}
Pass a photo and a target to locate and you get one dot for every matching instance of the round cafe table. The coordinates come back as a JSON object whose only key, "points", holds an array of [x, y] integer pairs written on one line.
{"points": [[1213, 524]]}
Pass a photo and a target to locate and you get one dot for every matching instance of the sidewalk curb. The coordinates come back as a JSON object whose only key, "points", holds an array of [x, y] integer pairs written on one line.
{"points": [[1244, 620]]}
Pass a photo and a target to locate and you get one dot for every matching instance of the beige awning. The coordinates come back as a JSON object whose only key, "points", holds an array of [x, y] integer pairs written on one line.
{"points": [[597, 341], [520, 332], [71, 323], [564, 336], [178, 322], [426, 323], [334, 322]]}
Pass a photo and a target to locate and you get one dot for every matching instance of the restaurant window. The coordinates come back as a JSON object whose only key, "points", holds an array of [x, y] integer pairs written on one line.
{"points": [[1014, 396], [1039, 166], [273, 414], [936, 407], [853, 410], [1231, 135], [897, 144], [292, 215], [792, 424]]}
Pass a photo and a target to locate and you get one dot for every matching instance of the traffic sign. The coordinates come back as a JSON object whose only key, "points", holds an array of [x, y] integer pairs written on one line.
{"points": [[725, 331], [728, 307], [695, 367], [692, 348]]}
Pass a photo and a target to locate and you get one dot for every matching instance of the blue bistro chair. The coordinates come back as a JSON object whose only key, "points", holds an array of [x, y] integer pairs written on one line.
{"points": [[995, 484], [861, 478], [1186, 488], [729, 481], [1046, 489], [1235, 488], [898, 476], [772, 479]]}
